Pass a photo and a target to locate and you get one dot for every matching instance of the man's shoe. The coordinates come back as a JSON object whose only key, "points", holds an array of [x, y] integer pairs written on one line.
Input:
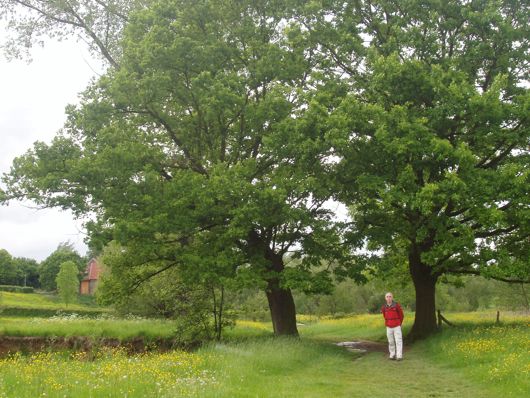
{"points": [[392, 358], [399, 359]]}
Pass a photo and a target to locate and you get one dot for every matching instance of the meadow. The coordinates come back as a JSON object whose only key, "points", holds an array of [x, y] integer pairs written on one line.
{"points": [[46, 301], [475, 359], [72, 325]]}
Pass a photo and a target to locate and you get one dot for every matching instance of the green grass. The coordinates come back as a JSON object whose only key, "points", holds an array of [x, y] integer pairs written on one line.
{"points": [[477, 359], [265, 367], [122, 329], [477, 355], [497, 355], [304, 368], [364, 327], [112, 374], [45, 301]]}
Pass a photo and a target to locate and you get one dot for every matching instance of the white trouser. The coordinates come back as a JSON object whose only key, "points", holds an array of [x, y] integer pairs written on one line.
{"points": [[395, 342]]}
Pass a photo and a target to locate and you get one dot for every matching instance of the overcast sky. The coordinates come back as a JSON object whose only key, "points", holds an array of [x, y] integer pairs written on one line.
{"points": [[32, 101]]}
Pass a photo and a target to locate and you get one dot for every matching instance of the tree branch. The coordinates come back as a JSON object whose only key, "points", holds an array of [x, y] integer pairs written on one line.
{"points": [[48, 15], [77, 22], [196, 166], [489, 162], [152, 274], [112, 11], [495, 232], [102, 47], [498, 278]]}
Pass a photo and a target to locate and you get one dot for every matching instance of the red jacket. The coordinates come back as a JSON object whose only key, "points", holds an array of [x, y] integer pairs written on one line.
{"points": [[393, 314]]}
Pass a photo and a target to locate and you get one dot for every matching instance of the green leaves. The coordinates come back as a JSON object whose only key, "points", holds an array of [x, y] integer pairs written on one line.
{"points": [[68, 282], [428, 133], [50, 267], [222, 130]]}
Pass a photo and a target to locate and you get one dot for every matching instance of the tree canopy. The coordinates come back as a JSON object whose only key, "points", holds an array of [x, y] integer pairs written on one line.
{"points": [[432, 138], [194, 152], [19, 271], [98, 23], [221, 130], [51, 265]]}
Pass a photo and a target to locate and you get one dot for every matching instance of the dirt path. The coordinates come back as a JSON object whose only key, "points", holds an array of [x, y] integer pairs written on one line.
{"points": [[416, 376]]}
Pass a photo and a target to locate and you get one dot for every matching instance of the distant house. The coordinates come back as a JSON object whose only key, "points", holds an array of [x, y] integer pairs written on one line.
{"points": [[91, 277]]}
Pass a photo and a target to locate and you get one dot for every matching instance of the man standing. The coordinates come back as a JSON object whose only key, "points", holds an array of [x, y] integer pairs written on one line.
{"points": [[393, 315]]}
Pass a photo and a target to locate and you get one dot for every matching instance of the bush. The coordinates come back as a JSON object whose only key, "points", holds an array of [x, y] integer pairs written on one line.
{"points": [[16, 289]]}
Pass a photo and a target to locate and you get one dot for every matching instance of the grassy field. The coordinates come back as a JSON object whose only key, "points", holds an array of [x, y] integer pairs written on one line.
{"points": [[122, 329], [76, 324], [496, 355], [476, 359], [44, 301], [111, 374], [306, 368]]}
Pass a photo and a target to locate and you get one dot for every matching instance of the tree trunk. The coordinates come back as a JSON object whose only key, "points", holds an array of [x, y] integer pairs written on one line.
{"points": [[525, 298], [281, 302], [218, 312], [283, 312], [425, 286]]}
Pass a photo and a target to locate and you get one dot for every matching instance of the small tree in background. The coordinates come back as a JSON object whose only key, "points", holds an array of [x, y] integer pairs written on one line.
{"points": [[49, 268], [27, 271], [67, 282], [8, 271]]}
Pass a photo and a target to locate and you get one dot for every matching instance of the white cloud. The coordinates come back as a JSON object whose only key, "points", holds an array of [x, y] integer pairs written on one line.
{"points": [[26, 232], [32, 101]]}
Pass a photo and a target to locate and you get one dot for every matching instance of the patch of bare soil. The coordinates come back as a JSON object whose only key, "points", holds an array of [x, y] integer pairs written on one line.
{"points": [[13, 344], [363, 346]]}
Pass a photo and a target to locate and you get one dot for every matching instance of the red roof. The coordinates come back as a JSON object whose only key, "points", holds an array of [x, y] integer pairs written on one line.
{"points": [[93, 270]]}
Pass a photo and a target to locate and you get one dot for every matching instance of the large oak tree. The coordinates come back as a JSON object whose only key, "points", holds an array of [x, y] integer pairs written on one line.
{"points": [[194, 151], [432, 136]]}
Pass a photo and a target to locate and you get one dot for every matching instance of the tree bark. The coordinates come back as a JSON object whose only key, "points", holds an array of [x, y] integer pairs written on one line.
{"points": [[281, 301], [283, 312], [425, 286]]}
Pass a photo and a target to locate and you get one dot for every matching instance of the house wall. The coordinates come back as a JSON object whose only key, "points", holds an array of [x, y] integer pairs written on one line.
{"points": [[84, 288], [92, 285], [89, 283]]}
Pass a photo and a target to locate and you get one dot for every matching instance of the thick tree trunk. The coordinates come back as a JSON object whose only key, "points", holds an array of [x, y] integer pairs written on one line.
{"points": [[425, 286], [283, 312], [281, 302]]}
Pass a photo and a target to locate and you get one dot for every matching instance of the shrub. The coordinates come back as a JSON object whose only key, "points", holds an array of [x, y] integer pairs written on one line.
{"points": [[16, 289]]}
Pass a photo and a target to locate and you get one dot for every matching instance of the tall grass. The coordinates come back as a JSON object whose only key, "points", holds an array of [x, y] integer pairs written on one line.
{"points": [[277, 367], [264, 367], [477, 359], [122, 329], [365, 327], [111, 374], [489, 353]]}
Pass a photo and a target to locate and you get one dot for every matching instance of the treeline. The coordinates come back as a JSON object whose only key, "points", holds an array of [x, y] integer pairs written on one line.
{"points": [[18, 271], [171, 298], [21, 271], [464, 294]]}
